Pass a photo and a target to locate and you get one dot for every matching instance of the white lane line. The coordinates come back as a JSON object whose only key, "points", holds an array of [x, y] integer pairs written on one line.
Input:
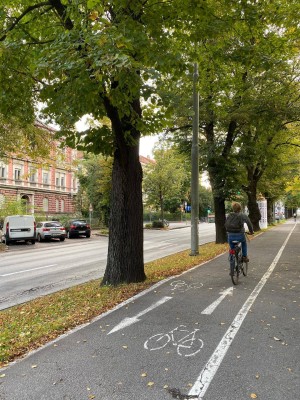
{"points": [[129, 321], [166, 246], [29, 270], [208, 372], [211, 308]]}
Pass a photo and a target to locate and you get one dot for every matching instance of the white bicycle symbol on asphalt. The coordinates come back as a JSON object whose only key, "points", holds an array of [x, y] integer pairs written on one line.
{"points": [[182, 286], [188, 343]]}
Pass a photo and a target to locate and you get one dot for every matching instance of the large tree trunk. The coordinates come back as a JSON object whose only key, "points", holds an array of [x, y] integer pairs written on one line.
{"points": [[220, 217], [270, 209], [125, 260], [254, 213], [253, 175], [217, 175]]}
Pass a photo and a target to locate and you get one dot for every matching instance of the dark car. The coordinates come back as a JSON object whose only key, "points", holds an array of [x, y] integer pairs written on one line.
{"points": [[77, 227]]}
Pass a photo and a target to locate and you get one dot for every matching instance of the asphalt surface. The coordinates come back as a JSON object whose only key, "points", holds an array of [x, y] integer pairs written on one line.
{"points": [[31, 271], [193, 336]]}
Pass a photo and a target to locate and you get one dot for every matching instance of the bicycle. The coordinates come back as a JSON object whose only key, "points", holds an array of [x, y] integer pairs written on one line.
{"points": [[165, 222], [237, 265], [187, 343], [183, 286]]}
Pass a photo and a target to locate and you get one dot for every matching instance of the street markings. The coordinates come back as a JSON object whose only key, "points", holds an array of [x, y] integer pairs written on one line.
{"points": [[187, 342], [208, 372], [182, 286], [129, 321], [29, 270], [210, 309]]}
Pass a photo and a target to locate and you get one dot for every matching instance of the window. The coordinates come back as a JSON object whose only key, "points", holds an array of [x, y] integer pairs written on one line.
{"points": [[57, 205], [17, 174], [45, 178], [62, 206], [60, 180], [2, 172], [32, 176], [45, 204]]}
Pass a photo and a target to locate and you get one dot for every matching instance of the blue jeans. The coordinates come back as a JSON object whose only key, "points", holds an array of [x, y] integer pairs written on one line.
{"points": [[239, 237]]}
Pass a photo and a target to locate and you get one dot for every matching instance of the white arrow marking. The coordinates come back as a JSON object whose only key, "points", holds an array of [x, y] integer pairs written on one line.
{"points": [[129, 321], [210, 309]]}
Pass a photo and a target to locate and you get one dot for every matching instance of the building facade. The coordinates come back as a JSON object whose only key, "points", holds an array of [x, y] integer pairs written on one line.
{"points": [[49, 188]]}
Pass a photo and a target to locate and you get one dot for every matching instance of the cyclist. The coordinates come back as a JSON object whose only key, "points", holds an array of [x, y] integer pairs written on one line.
{"points": [[235, 228]]}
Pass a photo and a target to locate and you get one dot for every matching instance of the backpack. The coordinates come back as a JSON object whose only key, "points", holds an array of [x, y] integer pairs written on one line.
{"points": [[234, 223]]}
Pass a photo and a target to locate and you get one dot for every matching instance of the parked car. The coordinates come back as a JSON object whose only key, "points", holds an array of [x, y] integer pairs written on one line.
{"points": [[48, 230], [17, 228], [77, 227]]}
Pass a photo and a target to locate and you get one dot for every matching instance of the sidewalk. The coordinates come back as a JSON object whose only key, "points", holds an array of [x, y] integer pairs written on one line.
{"points": [[124, 354]]}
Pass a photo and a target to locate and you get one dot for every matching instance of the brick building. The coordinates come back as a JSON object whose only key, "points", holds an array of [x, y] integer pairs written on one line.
{"points": [[49, 188]]}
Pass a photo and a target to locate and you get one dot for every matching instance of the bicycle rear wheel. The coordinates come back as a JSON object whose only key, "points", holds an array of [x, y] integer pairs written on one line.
{"points": [[234, 271], [245, 268]]}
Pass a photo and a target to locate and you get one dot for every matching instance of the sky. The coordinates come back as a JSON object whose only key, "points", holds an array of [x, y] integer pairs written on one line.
{"points": [[146, 145]]}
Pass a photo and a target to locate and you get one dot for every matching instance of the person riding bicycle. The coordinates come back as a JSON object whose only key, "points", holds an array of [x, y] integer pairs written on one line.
{"points": [[234, 226]]}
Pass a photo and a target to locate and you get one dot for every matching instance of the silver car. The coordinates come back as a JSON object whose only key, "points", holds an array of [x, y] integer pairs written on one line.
{"points": [[48, 230]]}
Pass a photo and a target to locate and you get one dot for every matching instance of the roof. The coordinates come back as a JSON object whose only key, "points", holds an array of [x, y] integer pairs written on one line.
{"points": [[146, 160]]}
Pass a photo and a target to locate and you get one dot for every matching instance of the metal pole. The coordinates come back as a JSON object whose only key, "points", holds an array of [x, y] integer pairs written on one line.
{"points": [[195, 170]]}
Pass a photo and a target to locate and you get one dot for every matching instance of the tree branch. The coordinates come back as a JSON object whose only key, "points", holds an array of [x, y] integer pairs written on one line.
{"points": [[61, 10], [286, 144], [179, 128], [25, 12]]}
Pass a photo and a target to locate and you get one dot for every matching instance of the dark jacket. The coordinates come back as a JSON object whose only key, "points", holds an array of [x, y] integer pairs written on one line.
{"points": [[245, 219]]}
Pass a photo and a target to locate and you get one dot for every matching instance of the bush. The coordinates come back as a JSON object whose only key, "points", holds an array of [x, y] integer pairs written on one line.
{"points": [[157, 224], [2, 247]]}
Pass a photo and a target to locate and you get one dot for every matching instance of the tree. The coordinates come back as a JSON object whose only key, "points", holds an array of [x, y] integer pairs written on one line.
{"points": [[11, 207], [166, 180], [99, 58], [24, 139], [95, 185], [205, 201], [239, 75]]}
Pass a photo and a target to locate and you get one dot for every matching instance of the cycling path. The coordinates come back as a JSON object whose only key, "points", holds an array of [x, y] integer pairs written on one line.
{"points": [[192, 336]]}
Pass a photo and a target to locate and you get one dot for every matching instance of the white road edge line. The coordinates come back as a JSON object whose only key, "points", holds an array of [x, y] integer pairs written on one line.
{"points": [[208, 372], [28, 270]]}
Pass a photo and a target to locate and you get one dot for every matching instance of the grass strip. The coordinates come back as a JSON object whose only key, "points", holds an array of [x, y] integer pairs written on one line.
{"points": [[33, 324]]}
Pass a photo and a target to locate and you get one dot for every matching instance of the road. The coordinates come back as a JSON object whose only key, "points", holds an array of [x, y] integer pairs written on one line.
{"points": [[28, 271], [191, 337]]}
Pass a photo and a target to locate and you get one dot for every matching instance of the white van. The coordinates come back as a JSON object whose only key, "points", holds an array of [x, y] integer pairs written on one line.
{"points": [[19, 227]]}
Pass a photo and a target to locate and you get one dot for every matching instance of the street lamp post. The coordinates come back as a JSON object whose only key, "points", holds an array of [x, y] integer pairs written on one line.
{"points": [[195, 170], [90, 214]]}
